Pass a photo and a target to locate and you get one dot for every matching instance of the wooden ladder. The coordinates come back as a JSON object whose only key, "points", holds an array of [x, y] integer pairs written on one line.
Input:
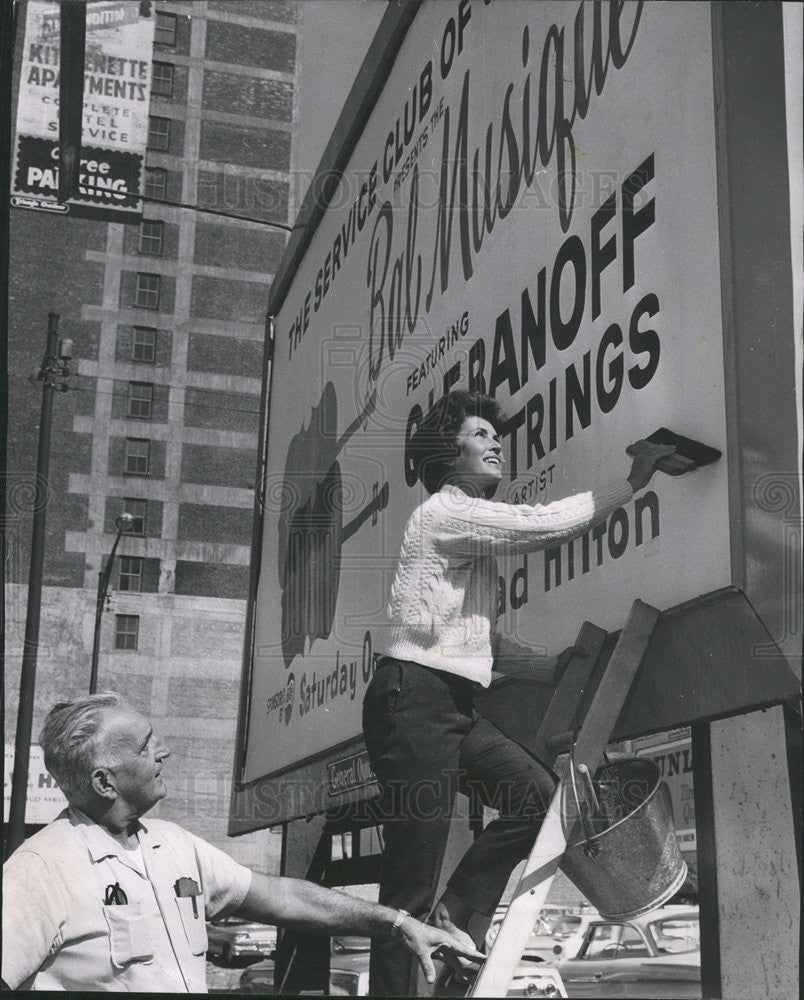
{"points": [[588, 745]]}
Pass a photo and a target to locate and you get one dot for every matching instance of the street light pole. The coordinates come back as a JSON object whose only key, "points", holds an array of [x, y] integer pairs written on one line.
{"points": [[54, 368], [122, 523]]}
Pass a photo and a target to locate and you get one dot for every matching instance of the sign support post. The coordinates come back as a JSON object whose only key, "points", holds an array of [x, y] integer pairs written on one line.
{"points": [[49, 374]]}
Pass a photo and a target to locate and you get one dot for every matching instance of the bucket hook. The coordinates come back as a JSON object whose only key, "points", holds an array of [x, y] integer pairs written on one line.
{"points": [[591, 848]]}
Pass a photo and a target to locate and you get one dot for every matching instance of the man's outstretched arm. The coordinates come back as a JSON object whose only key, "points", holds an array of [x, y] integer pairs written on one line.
{"points": [[304, 906]]}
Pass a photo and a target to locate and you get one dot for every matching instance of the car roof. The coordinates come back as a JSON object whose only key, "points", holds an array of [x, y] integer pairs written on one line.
{"points": [[668, 913]]}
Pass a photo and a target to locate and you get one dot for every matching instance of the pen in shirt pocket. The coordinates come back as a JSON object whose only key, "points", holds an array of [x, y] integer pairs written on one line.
{"points": [[186, 886], [114, 895]]}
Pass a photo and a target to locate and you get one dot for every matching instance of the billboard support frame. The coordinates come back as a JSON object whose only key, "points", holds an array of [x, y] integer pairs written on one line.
{"points": [[692, 628]]}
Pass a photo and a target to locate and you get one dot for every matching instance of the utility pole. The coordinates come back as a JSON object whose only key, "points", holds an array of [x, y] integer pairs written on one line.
{"points": [[122, 523], [54, 369]]}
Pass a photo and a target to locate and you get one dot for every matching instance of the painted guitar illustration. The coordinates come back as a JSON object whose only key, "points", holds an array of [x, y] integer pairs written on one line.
{"points": [[311, 528]]}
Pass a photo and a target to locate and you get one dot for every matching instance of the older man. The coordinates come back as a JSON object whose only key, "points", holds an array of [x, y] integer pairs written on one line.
{"points": [[102, 900]]}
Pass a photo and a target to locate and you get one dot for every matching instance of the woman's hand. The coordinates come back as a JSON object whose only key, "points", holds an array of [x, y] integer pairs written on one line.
{"points": [[646, 455]]}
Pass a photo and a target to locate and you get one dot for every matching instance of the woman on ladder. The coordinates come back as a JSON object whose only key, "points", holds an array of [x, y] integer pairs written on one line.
{"points": [[425, 738]]}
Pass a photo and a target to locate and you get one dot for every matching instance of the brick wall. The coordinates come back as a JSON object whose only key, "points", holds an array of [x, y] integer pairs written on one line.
{"points": [[207, 352], [230, 411], [269, 10], [248, 46], [211, 580], [246, 145], [253, 197], [205, 523], [218, 298], [218, 466], [230, 246]]}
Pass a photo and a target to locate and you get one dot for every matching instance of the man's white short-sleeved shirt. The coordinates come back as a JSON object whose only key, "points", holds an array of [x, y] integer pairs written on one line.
{"points": [[59, 933]]}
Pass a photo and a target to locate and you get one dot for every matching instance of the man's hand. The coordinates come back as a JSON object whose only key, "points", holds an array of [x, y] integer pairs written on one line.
{"points": [[423, 940], [646, 455], [299, 904]]}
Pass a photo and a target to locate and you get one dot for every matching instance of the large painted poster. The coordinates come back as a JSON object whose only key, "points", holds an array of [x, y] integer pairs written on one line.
{"points": [[531, 210], [117, 84]]}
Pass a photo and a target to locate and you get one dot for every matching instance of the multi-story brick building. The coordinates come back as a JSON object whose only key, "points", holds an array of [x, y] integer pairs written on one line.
{"points": [[161, 419]]}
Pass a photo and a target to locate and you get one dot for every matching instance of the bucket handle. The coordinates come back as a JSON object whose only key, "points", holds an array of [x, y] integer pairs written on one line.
{"points": [[591, 848]]}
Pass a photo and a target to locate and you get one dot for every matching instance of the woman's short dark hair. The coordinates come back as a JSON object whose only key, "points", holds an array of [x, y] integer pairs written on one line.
{"points": [[432, 446]]}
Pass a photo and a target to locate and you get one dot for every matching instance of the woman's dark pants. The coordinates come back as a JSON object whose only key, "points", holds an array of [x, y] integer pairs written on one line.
{"points": [[426, 741]]}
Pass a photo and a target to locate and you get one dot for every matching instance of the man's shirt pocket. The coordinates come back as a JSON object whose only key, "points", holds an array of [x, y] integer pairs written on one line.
{"points": [[129, 936], [193, 922]]}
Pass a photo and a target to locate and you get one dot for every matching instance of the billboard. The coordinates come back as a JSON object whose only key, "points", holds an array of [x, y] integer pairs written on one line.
{"points": [[673, 757], [117, 84], [45, 799], [530, 210]]}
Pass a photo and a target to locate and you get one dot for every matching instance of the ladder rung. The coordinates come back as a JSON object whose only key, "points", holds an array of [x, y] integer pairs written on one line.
{"points": [[561, 742]]}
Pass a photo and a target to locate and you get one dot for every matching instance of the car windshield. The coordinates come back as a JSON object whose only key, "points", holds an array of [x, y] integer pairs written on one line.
{"points": [[615, 941], [675, 935], [565, 926]]}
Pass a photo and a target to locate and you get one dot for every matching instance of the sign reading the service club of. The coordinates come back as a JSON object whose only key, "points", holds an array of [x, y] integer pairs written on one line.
{"points": [[117, 79], [530, 210]]}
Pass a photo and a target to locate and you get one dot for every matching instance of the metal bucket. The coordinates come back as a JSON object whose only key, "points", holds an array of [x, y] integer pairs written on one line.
{"points": [[629, 860]]}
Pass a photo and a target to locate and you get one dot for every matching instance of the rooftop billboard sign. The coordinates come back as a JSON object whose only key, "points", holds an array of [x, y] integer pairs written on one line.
{"points": [[530, 210]]}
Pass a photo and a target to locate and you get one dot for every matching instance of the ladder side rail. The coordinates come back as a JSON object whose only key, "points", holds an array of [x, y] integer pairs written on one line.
{"points": [[498, 970], [615, 685], [551, 842], [562, 710]]}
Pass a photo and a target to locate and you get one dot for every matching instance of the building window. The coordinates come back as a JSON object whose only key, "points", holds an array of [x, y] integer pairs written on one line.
{"points": [[130, 576], [138, 510], [165, 28], [143, 344], [151, 237], [162, 79], [147, 291], [140, 400], [138, 456], [158, 133], [155, 183], [126, 631]]}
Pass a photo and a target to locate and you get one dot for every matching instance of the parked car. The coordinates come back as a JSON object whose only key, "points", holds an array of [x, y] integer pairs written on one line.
{"points": [[554, 934], [348, 969], [349, 974], [259, 978], [233, 938], [349, 966], [655, 955], [568, 932], [532, 978]]}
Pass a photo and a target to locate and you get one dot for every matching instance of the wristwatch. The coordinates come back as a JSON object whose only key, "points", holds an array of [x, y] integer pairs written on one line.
{"points": [[401, 915]]}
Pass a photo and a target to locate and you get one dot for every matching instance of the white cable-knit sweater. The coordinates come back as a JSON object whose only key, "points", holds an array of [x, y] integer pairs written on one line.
{"points": [[443, 600]]}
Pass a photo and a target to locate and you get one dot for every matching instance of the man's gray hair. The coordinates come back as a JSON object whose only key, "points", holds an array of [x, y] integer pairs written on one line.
{"points": [[69, 739]]}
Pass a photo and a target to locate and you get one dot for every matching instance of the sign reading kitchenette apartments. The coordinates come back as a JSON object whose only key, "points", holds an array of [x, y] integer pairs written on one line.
{"points": [[117, 80]]}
